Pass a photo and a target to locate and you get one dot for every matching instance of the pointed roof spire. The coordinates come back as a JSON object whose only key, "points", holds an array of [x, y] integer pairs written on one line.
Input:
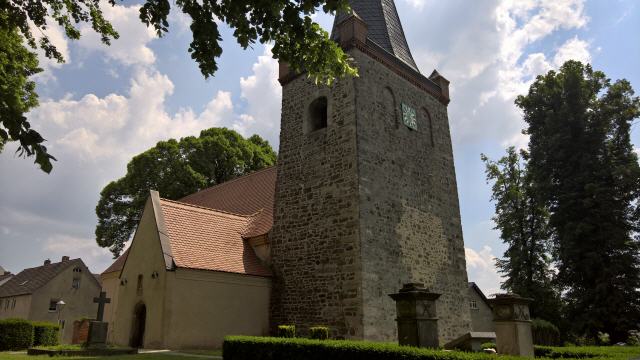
{"points": [[384, 27]]}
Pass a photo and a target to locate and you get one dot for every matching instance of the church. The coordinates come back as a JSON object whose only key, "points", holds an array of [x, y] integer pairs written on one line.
{"points": [[363, 199]]}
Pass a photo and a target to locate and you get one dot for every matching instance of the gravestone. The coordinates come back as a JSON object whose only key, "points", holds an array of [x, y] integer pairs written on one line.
{"points": [[98, 329], [513, 325], [416, 316]]}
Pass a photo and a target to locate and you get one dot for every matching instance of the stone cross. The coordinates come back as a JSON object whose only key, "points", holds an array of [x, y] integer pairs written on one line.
{"points": [[101, 300]]}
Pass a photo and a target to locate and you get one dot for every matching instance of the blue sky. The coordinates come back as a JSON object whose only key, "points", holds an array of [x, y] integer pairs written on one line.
{"points": [[107, 104]]}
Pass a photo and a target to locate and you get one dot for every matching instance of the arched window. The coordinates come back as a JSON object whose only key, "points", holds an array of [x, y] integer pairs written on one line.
{"points": [[429, 126], [139, 286], [389, 103], [317, 115]]}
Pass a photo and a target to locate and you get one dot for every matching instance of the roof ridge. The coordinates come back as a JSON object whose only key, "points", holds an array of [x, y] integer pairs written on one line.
{"points": [[189, 205], [232, 180]]}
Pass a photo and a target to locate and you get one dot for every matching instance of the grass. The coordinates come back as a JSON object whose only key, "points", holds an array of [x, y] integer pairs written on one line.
{"points": [[201, 352], [13, 356]]}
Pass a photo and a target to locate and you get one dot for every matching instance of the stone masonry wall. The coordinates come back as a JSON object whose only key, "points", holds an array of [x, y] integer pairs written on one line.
{"points": [[314, 240], [410, 229]]}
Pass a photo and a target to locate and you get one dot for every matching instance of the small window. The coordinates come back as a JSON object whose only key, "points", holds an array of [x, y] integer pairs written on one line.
{"points": [[77, 270], [53, 304], [473, 304], [13, 304], [76, 283], [317, 116], [139, 286]]}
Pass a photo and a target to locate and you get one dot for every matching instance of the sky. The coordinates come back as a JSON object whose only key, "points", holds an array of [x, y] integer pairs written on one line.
{"points": [[107, 104]]}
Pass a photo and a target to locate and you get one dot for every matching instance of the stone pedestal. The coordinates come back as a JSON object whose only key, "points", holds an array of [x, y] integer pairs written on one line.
{"points": [[97, 334], [513, 325], [417, 319]]}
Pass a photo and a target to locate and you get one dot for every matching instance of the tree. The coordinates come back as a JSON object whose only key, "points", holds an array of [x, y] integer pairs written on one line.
{"points": [[522, 220], [18, 95], [583, 163], [175, 169], [297, 40]]}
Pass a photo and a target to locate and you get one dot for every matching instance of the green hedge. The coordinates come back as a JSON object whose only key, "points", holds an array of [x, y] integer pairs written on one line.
{"points": [[45, 334], [264, 348], [319, 332], [545, 333], [588, 352], [287, 331], [15, 334]]}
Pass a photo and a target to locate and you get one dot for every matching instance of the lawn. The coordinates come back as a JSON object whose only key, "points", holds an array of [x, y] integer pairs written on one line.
{"points": [[156, 356]]}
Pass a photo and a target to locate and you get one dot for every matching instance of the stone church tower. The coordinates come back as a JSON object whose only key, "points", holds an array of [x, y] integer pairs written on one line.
{"points": [[366, 194]]}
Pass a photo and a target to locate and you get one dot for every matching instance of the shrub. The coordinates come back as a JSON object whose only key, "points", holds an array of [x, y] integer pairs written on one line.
{"points": [[45, 334], [319, 332], [264, 348], [634, 338], [287, 331], [603, 338], [488, 345], [545, 333], [15, 334]]}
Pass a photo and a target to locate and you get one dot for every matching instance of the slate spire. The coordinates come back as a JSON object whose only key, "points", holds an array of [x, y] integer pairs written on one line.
{"points": [[384, 27]]}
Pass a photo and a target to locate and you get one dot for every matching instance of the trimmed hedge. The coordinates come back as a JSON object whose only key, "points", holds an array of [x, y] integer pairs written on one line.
{"points": [[15, 334], [545, 333], [588, 352], [45, 334], [287, 331], [265, 348], [319, 332]]}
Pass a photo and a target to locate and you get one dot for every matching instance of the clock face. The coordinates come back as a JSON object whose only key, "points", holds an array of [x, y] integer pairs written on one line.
{"points": [[409, 117]]}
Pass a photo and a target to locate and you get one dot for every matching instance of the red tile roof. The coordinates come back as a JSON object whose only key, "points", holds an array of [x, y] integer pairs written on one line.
{"points": [[247, 195], [208, 239], [118, 264]]}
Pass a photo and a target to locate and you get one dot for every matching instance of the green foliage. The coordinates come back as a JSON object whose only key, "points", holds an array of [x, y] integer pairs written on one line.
{"points": [[319, 332], [264, 348], [488, 345], [297, 40], [603, 338], [522, 219], [15, 334], [45, 334], [586, 171], [545, 333], [588, 352], [18, 95], [634, 338], [287, 331], [175, 169]]}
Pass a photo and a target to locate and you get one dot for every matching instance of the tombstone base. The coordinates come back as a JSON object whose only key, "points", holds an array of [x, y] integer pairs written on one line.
{"points": [[420, 332], [97, 334]]}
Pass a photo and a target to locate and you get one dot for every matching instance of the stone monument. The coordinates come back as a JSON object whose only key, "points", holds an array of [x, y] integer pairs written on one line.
{"points": [[98, 328], [417, 317], [513, 325]]}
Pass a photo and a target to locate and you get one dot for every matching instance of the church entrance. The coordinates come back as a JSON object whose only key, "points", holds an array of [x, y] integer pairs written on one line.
{"points": [[137, 330]]}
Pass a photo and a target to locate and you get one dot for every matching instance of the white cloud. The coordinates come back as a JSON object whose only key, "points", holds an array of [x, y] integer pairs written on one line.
{"points": [[481, 269], [573, 49], [484, 49], [56, 35], [131, 48], [263, 95], [75, 247]]}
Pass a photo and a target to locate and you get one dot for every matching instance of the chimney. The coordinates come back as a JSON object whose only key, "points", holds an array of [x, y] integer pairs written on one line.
{"points": [[47, 262], [65, 258]]}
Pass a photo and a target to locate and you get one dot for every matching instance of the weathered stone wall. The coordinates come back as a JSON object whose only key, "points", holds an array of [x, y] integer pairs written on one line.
{"points": [[365, 206], [314, 240], [410, 229]]}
